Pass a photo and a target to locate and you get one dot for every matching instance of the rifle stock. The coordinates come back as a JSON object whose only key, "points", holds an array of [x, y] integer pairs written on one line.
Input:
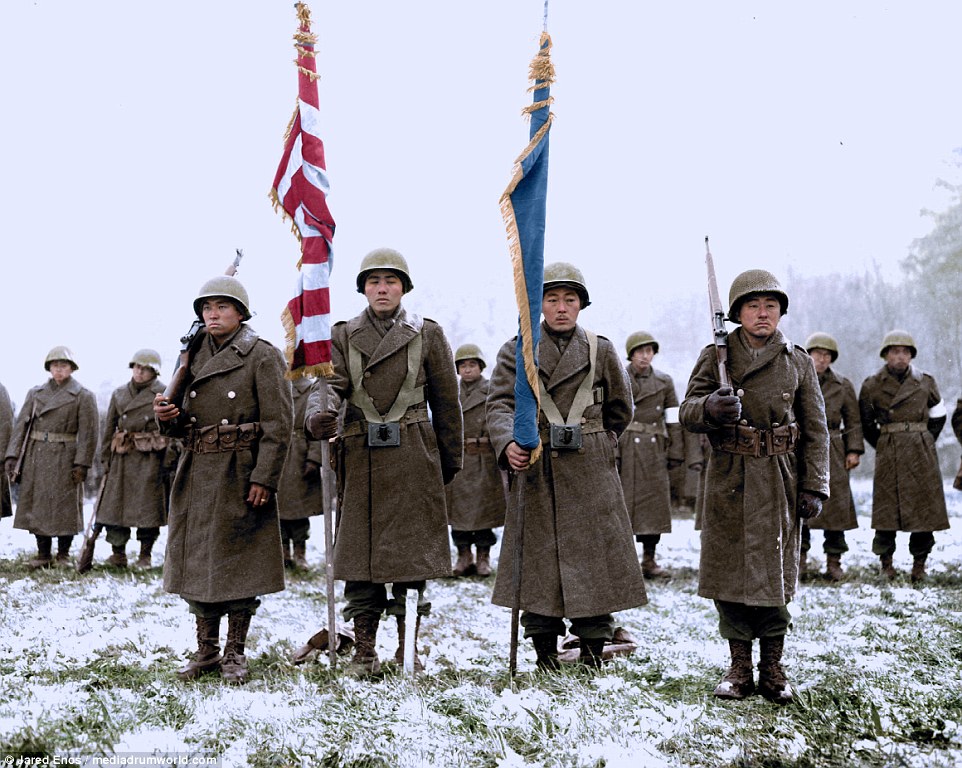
{"points": [[22, 453]]}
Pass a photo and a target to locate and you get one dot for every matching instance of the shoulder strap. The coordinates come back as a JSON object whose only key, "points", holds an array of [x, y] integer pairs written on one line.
{"points": [[407, 396], [583, 397]]}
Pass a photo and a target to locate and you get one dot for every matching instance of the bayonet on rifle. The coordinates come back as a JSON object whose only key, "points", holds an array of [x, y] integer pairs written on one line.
{"points": [[719, 332]]}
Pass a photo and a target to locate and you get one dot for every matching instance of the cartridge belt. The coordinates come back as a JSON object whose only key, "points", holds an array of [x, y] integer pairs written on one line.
{"points": [[222, 438], [143, 442], [748, 441], [903, 426], [53, 437], [359, 427]]}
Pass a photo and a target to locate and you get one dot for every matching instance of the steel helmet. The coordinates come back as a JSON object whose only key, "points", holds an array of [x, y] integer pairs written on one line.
{"points": [[469, 352], [822, 341], [898, 338], [385, 258], [562, 273], [640, 339], [148, 358], [60, 353], [754, 281], [226, 286]]}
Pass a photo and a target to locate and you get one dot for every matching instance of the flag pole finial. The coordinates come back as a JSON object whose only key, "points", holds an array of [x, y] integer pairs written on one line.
{"points": [[546, 16]]}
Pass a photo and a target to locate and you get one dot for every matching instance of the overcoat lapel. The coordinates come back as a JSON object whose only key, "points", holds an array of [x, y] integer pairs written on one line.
{"points": [[910, 385], [561, 367], [230, 357], [365, 338], [475, 397], [50, 399]]}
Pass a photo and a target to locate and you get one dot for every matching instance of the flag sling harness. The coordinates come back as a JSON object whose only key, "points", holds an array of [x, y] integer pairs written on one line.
{"points": [[566, 433]]}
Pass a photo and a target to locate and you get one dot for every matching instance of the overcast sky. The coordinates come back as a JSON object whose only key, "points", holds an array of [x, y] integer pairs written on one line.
{"points": [[140, 141]]}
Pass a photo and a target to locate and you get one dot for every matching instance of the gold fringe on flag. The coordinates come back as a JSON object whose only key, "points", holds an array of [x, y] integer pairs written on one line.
{"points": [[290, 333]]}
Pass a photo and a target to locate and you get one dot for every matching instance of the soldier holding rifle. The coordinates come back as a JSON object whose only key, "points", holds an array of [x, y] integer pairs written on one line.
{"points": [[763, 412]]}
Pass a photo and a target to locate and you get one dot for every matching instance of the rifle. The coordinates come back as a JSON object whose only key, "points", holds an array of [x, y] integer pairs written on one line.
{"points": [[326, 506], [22, 454], [520, 478], [86, 559], [189, 344], [719, 331]]}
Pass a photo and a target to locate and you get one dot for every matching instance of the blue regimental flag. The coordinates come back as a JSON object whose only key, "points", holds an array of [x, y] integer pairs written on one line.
{"points": [[524, 206]]}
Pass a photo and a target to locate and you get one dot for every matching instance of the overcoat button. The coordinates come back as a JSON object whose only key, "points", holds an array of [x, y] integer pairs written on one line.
{"points": [[232, 394], [654, 439], [193, 419], [367, 374], [744, 422], [193, 393], [740, 393], [637, 439], [224, 421], [786, 396]]}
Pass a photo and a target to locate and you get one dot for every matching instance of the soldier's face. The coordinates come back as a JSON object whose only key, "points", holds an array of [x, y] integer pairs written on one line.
{"points": [[383, 290], [641, 357], [141, 374], [60, 371], [759, 317], [221, 317], [560, 307], [822, 359], [469, 371], [898, 358]]}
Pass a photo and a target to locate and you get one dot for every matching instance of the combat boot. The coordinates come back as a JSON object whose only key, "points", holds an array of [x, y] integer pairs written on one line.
{"points": [[233, 668], [365, 663], [288, 559], [146, 548], [63, 550], [772, 683], [300, 555], [591, 652], [483, 565], [833, 567], [887, 569], [44, 558], [802, 565], [399, 653], [918, 569], [649, 567], [465, 564], [739, 681], [118, 558], [546, 646], [207, 657]]}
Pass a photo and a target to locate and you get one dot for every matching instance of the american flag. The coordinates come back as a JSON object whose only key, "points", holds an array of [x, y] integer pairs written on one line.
{"points": [[524, 208], [300, 189]]}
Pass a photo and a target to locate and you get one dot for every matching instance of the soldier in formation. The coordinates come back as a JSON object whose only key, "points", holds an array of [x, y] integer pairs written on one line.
{"points": [[768, 467], [902, 415], [299, 495], [57, 429], [393, 455], [135, 458], [6, 428], [236, 418], [475, 499], [651, 445], [579, 561], [845, 435]]}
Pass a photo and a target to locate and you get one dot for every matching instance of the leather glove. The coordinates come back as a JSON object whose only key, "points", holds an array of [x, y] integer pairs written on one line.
{"points": [[78, 474], [447, 474], [809, 505], [9, 467], [310, 469], [322, 425], [723, 407]]}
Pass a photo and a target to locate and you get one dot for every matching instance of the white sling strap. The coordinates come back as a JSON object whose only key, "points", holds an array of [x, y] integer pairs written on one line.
{"points": [[583, 397], [408, 395]]}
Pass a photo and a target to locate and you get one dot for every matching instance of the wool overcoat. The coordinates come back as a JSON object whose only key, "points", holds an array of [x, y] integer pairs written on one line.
{"points": [[750, 534], [907, 491], [134, 495], [220, 548], [6, 428], [392, 521], [579, 554], [48, 501], [476, 496], [298, 496], [845, 434], [645, 454]]}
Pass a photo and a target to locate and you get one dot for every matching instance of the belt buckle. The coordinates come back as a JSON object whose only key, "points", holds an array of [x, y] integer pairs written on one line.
{"points": [[386, 435], [566, 437]]}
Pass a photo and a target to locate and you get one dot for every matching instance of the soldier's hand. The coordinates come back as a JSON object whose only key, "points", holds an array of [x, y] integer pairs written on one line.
{"points": [[258, 495], [852, 460], [322, 425], [310, 469], [163, 410], [10, 466], [723, 407], [518, 458], [809, 505], [78, 474]]}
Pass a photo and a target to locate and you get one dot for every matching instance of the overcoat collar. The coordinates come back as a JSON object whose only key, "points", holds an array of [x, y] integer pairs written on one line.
{"points": [[139, 398], [473, 395], [777, 346], [231, 355], [365, 338], [556, 367], [52, 397], [910, 384]]}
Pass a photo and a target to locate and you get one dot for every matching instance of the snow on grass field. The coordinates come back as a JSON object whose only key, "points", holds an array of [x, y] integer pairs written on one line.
{"points": [[86, 667]]}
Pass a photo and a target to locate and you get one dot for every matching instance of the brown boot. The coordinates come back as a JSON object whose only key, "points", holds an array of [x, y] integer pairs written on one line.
{"points": [[207, 657], [591, 652], [833, 567], [739, 681], [887, 569], [546, 646], [288, 558], [44, 558], [483, 566], [63, 551], [465, 564], [146, 548], [365, 663], [649, 568], [233, 669], [772, 683], [300, 555], [802, 565], [399, 653], [118, 558], [918, 569]]}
